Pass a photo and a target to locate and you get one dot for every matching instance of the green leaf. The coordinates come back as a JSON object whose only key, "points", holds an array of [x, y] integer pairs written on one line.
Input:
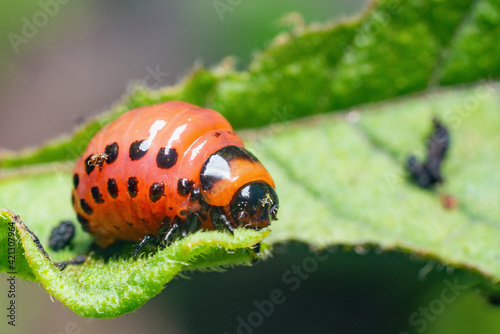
{"points": [[345, 183], [108, 289], [395, 48], [471, 313], [13, 260], [340, 176]]}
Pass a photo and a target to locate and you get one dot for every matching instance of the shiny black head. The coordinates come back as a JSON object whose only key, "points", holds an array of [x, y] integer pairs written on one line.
{"points": [[256, 204]]}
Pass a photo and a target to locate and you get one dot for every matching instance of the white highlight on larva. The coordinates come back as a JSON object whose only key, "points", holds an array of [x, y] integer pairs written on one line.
{"points": [[176, 135], [153, 131]]}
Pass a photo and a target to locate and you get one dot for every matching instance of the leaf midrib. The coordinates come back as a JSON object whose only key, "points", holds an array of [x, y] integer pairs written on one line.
{"points": [[444, 50]]}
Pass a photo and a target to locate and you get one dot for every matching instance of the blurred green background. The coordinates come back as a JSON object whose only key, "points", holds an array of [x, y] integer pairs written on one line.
{"points": [[85, 56], [83, 59]]}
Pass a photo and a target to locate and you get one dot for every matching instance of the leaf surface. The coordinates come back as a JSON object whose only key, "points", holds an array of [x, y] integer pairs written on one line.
{"points": [[340, 176]]}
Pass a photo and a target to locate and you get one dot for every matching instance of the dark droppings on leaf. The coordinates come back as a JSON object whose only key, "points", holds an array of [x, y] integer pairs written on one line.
{"points": [[65, 225], [62, 235], [428, 173], [33, 236], [77, 260]]}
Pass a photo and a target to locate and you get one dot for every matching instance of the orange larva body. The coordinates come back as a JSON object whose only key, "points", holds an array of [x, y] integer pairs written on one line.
{"points": [[142, 172]]}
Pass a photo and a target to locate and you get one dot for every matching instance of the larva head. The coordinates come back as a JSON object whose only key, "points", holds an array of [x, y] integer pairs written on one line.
{"points": [[255, 204], [234, 179]]}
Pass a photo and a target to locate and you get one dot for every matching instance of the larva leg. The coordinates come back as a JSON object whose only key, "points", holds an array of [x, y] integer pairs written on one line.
{"points": [[219, 220], [148, 239], [191, 225], [172, 234]]}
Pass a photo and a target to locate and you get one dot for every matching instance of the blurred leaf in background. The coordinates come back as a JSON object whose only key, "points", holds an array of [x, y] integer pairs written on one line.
{"points": [[82, 60]]}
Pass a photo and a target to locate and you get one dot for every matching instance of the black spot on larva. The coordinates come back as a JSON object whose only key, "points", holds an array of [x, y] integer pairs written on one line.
{"points": [[86, 207], [217, 134], [166, 159], [96, 195], [112, 188], [76, 180], [135, 152], [84, 222], [132, 186], [129, 224], [195, 194], [170, 208], [208, 181], [183, 212], [112, 152], [88, 168], [156, 191], [184, 186], [217, 165], [116, 227]]}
